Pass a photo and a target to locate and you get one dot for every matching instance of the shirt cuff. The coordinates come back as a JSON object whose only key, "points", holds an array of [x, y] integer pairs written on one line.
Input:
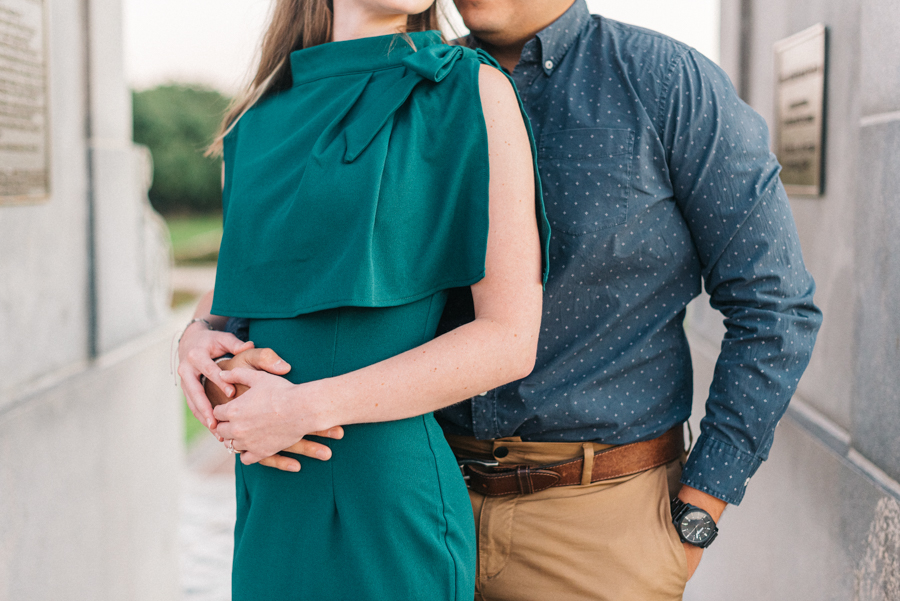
{"points": [[719, 469]]}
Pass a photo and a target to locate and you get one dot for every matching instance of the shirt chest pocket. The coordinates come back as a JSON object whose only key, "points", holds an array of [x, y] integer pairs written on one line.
{"points": [[586, 177]]}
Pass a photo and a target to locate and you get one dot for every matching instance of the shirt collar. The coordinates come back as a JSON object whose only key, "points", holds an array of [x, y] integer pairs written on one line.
{"points": [[558, 37], [550, 44]]}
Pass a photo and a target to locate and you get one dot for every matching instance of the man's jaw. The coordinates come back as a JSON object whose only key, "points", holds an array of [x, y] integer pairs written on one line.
{"points": [[509, 24]]}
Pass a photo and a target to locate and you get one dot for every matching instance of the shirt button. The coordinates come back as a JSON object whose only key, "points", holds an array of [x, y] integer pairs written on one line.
{"points": [[548, 65], [501, 452]]}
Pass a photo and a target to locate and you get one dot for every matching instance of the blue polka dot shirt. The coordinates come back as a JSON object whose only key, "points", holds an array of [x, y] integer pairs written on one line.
{"points": [[657, 179]]}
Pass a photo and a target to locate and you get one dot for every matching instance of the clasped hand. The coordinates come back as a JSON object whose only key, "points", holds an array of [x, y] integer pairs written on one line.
{"points": [[269, 417], [197, 349]]}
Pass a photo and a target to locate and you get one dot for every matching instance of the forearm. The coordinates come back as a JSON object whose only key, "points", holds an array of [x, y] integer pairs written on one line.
{"points": [[473, 358], [204, 305]]}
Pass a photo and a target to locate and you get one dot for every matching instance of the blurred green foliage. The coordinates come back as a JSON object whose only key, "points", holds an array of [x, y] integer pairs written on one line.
{"points": [[184, 230], [177, 122], [193, 429], [195, 238]]}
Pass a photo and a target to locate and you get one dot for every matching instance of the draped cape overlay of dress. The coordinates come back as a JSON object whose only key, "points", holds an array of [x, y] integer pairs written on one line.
{"points": [[353, 202]]}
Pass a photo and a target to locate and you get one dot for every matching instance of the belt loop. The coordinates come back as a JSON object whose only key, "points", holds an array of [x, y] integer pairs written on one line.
{"points": [[588, 470], [523, 474]]}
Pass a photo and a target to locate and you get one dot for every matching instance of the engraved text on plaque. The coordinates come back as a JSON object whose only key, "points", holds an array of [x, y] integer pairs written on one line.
{"points": [[24, 147], [800, 110]]}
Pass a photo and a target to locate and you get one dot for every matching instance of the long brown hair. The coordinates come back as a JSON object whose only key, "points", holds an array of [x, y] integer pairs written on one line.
{"points": [[295, 24]]}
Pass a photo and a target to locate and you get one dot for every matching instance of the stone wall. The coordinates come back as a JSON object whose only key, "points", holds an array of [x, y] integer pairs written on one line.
{"points": [[90, 431], [821, 520], [89, 475]]}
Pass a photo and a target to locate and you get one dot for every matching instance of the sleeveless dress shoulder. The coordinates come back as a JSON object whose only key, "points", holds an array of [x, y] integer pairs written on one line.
{"points": [[353, 202], [364, 184]]}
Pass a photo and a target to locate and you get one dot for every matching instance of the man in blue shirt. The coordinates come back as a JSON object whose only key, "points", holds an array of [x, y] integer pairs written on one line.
{"points": [[656, 178]]}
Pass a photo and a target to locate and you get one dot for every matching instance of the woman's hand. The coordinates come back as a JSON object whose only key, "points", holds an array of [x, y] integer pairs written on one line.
{"points": [[196, 350], [268, 418], [268, 360]]}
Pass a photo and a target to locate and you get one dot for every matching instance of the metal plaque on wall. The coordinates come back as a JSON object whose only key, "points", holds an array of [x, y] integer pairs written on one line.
{"points": [[24, 127], [800, 70]]}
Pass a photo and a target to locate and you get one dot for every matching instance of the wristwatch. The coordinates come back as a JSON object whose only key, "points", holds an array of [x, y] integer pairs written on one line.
{"points": [[694, 525]]}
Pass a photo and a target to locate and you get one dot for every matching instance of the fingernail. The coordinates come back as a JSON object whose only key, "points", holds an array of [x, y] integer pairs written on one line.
{"points": [[209, 423], [323, 454], [229, 391], [279, 362], [295, 467]]}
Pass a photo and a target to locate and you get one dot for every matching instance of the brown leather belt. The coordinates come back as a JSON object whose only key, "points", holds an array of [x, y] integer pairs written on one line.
{"points": [[610, 463]]}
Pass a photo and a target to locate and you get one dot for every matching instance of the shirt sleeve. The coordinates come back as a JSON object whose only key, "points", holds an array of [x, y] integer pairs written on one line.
{"points": [[726, 185]]}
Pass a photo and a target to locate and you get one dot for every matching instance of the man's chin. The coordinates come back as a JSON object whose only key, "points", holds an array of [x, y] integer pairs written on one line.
{"points": [[496, 37], [484, 19]]}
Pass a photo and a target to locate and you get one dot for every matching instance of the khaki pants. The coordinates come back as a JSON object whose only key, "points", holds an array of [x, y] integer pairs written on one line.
{"points": [[611, 540]]}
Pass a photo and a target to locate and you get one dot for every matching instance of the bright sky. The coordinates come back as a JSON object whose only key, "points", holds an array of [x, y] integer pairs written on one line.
{"points": [[212, 42]]}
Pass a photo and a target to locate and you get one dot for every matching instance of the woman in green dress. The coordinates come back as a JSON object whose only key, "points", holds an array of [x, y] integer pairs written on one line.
{"points": [[369, 169]]}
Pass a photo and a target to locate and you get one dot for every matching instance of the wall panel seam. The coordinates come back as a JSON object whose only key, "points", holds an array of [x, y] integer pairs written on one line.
{"points": [[879, 119], [64, 376]]}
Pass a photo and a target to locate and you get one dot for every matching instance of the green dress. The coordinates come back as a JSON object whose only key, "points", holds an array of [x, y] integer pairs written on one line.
{"points": [[353, 202]]}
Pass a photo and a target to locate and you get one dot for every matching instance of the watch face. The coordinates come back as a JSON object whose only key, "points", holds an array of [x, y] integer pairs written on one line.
{"points": [[696, 527]]}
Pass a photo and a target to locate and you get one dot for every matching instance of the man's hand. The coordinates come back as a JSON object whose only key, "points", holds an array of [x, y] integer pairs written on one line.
{"points": [[305, 447], [713, 506], [259, 359], [268, 360]]}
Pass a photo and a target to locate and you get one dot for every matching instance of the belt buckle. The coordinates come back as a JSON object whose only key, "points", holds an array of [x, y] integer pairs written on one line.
{"points": [[462, 463]]}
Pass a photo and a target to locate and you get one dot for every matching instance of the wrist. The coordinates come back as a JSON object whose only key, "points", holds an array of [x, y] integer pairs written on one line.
{"points": [[696, 526], [194, 323], [710, 504], [316, 407]]}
